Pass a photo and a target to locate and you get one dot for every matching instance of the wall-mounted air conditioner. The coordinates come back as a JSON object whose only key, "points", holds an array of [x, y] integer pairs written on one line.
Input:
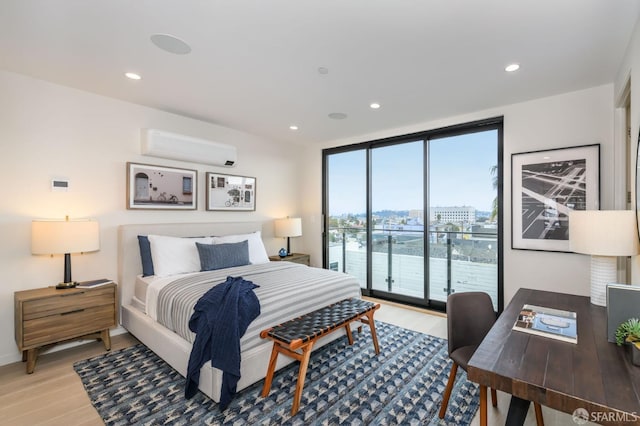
{"points": [[158, 143]]}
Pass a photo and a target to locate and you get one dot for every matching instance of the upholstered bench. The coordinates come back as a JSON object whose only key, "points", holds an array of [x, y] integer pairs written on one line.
{"points": [[295, 338]]}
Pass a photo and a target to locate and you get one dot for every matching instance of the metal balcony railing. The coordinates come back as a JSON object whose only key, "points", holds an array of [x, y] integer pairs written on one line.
{"points": [[457, 260]]}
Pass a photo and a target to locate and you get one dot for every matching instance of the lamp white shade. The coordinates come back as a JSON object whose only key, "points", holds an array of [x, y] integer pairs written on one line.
{"points": [[64, 236], [289, 227], [603, 232]]}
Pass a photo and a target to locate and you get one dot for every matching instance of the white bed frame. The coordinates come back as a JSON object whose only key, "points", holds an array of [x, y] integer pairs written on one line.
{"points": [[167, 344]]}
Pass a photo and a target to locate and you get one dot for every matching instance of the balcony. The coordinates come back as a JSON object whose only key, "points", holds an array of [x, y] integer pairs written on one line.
{"points": [[458, 261]]}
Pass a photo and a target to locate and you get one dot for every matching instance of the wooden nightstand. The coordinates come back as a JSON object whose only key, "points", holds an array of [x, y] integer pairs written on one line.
{"points": [[294, 257], [47, 316]]}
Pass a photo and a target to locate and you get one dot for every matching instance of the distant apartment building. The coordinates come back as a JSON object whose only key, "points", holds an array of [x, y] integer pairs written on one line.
{"points": [[452, 214], [417, 214]]}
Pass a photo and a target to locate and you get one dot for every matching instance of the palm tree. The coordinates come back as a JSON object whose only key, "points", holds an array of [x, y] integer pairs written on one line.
{"points": [[494, 182]]}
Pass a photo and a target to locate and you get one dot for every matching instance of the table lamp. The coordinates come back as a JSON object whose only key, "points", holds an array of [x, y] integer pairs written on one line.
{"points": [[605, 235], [289, 227], [64, 237]]}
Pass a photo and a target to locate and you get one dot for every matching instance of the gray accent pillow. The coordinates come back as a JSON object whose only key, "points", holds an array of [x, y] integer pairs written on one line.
{"points": [[220, 256]]}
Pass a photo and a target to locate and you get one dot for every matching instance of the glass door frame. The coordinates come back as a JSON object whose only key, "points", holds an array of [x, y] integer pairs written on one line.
{"points": [[495, 123]]}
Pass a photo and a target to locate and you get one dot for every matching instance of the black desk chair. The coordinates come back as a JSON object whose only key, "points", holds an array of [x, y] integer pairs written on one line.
{"points": [[470, 316]]}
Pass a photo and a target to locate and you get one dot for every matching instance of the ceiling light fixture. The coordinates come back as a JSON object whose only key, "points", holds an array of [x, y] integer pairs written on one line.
{"points": [[293, 127], [171, 44], [323, 70], [374, 105], [132, 76], [338, 115], [512, 67]]}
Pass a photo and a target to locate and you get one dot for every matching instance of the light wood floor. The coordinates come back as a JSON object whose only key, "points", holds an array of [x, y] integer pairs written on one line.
{"points": [[53, 395]]}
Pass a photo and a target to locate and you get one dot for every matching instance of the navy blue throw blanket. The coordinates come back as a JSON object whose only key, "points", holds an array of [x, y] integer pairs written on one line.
{"points": [[220, 319]]}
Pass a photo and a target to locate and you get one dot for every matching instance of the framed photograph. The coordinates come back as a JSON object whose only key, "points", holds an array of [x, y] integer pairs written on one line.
{"points": [[229, 192], [546, 186], [161, 188]]}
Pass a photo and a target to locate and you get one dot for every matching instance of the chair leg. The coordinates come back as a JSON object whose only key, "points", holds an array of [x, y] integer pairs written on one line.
{"points": [[494, 397], [448, 389], [538, 409]]}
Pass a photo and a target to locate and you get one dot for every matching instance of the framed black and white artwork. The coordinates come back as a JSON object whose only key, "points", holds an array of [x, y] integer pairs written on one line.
{"points": [[230, 192], [545, 187]]}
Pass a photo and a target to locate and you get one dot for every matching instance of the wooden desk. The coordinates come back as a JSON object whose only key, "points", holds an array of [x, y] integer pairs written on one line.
{"points": [[594, 374]]}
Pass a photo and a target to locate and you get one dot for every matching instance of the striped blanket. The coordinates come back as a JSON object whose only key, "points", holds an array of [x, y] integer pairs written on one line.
{"points": [[287, 290]]}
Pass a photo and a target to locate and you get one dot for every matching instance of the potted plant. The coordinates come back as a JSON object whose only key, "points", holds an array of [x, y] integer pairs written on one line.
{"points": [[629, 332]]}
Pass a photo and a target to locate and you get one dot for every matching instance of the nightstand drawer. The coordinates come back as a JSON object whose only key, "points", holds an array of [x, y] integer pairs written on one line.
{"points": [[73, 323], [69, 302]]}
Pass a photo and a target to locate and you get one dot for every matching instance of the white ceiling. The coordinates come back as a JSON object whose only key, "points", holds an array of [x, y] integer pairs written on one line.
{"points": [[254, 63]]}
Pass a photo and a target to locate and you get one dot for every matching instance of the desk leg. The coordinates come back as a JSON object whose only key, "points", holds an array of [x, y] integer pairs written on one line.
{"points": [[518, 408], [483, 405]]}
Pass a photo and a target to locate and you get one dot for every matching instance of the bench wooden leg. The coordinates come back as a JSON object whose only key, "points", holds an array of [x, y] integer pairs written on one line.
{"points": [[349, 335], [302, 373], [374, 336], [272, 367]]}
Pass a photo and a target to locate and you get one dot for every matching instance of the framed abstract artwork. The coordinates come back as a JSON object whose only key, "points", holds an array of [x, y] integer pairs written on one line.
{"points": [[545, 187], [230, 192], [161, 188]]}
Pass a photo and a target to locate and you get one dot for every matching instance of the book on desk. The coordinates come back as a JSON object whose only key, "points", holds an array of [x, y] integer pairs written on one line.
{"points": [[548, 322], [94, 283]]}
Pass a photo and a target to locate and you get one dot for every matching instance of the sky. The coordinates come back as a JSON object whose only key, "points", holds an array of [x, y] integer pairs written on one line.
{"points": [[459, 175]]}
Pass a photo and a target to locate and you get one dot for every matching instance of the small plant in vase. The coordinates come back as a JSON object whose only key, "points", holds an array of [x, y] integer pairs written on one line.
{"points": [[629, 332]]}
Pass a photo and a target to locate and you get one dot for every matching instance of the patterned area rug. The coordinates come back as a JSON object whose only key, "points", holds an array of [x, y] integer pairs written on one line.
{"points": [[345, 384]]}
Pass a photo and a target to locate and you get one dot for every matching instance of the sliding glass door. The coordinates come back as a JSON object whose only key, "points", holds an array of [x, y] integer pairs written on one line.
{"points": [[416, 218], [346, 232], [463, 195], [397, 234]]}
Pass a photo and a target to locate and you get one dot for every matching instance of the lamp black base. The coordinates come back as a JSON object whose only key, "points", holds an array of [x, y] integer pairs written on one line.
{"points": [[62, 286]]}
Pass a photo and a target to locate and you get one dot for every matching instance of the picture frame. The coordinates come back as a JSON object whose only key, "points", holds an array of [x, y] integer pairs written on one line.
{"points": [[230, 192], [545, 186], [152, 187]]}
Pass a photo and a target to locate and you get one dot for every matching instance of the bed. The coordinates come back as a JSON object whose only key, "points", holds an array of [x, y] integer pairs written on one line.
{"points": [[286, 290]]}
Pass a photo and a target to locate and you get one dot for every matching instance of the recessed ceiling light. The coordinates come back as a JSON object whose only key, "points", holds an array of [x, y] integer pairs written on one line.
{"points": [[293, 127], [374, 105], [512, 67], [338, 115], [132, 75], [546, 157], [171, 44]]}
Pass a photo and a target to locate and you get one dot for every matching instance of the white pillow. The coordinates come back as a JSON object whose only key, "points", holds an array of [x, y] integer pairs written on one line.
{"points": [[257, 252], [175, 255]]}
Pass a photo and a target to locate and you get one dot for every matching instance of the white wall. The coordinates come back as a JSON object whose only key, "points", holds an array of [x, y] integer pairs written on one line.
{"points": [[49, 131], [571, 119], [630, 71]]}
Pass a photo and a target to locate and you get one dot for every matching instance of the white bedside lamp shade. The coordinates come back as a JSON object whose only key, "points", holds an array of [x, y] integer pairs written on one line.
{"points": [[289, 227], [605, 235], [64, 237]]}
